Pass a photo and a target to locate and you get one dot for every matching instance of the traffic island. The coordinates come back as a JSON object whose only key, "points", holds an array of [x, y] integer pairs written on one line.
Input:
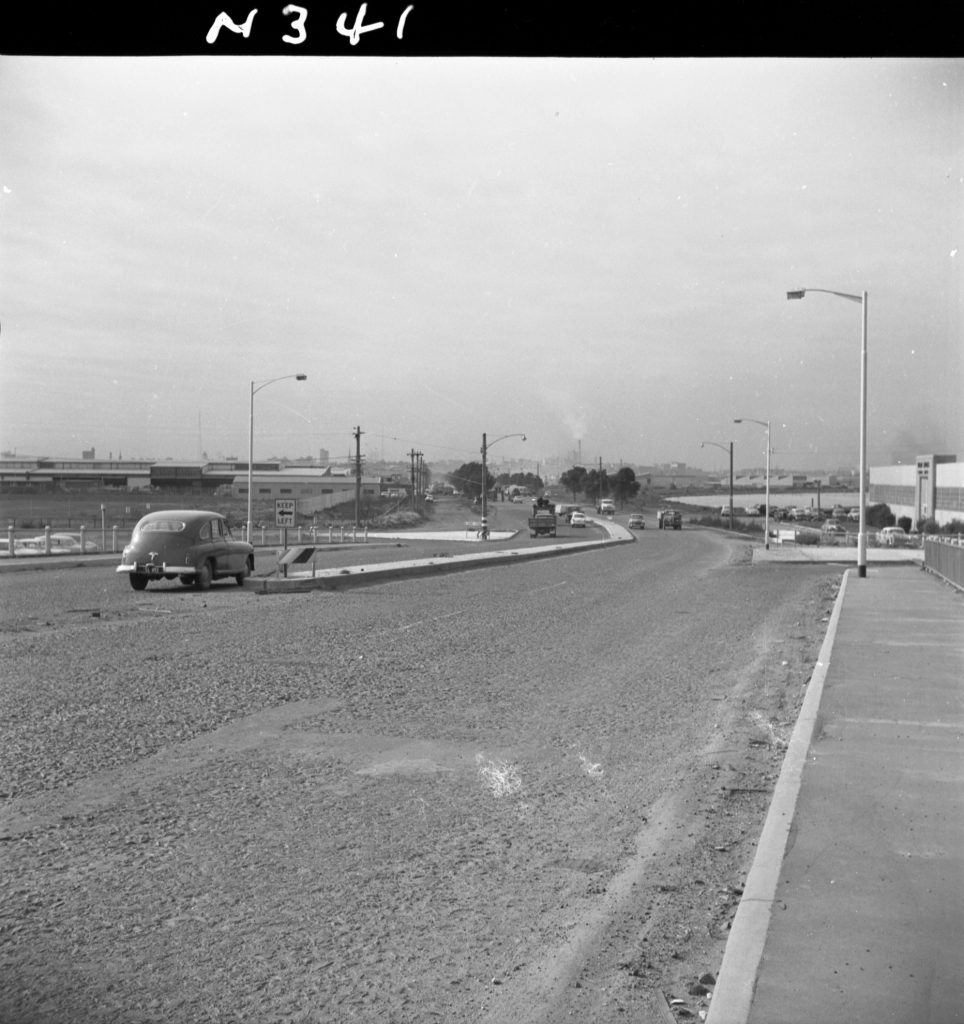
{"points": [[382, 572]]}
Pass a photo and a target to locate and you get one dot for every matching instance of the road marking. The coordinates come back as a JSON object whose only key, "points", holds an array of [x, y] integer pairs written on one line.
{"points": [[550, 586], [422, 622]]}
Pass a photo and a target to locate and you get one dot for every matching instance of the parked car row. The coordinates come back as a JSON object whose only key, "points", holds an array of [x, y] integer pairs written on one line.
{"points": [[836, 514], [795, 513]]}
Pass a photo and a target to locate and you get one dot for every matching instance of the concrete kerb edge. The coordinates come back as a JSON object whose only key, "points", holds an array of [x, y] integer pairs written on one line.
{"points": [[737, 977], [354, 576]]}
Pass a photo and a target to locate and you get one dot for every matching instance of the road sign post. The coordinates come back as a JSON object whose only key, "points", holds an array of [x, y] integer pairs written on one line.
{"points": [[284, 512], [284, 516]]}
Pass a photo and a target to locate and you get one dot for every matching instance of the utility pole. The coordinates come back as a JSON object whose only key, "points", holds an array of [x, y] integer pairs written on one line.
{"points": [[358, 434], [412, 453]]}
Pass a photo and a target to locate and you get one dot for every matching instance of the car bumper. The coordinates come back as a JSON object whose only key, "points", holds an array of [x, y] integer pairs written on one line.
{"points": [[151, 569]]}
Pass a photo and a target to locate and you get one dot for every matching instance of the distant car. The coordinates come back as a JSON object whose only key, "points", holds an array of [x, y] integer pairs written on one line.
{"points": [[636, 521], [517, 499], [892, 537], [854, 515], [578, 519], [66, 544], [195, 547], [833, 529], [21, 548]]}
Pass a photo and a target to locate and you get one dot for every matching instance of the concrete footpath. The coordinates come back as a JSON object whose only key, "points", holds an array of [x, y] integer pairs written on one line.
{"points": [[853, 910]]}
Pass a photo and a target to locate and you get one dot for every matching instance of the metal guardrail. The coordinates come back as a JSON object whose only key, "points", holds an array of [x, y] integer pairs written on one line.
{"points": [[316, 535], [944, 556]]}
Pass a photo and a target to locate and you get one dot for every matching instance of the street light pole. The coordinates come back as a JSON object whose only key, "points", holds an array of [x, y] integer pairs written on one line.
{"points": [[256, 386], [729, 447], [862, 527], [485, 448], [766, 520]]}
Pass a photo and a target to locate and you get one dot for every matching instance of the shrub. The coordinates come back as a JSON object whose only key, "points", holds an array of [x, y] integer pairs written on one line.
{"points": [[879, 516], [905, 523], [927, 526]]}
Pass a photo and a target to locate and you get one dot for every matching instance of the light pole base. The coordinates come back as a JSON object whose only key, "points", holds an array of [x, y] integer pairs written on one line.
{"points": [[862, 571]]}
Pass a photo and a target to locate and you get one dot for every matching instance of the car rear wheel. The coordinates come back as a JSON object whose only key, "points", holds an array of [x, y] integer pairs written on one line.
{"points": [[138, 580], [203, 577]]}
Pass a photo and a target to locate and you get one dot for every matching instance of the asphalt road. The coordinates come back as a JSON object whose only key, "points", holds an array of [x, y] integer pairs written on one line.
{"points": [[444, 798]]}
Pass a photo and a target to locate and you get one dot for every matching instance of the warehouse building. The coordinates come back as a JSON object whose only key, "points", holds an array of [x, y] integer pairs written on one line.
{"points": [[930, 488]]}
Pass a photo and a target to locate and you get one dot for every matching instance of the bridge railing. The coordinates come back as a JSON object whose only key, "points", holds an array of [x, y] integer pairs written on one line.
{"points": [[944, 556]]}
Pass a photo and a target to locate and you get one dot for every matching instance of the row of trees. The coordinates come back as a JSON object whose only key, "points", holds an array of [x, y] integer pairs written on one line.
{"points": [[594, 484], [468, 479], [622, 486]]}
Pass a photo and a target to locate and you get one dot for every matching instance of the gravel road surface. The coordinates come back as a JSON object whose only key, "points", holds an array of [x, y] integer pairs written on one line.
{"points": [[527, 793]]}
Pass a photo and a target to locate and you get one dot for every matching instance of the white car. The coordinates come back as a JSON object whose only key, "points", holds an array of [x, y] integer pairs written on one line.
{"points": [[892, 537], [21, 548], [579, 519], [66, 544]]}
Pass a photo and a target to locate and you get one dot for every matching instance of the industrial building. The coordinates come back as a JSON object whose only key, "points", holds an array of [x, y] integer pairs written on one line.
{"points": [[315, 487], [931, 488]]}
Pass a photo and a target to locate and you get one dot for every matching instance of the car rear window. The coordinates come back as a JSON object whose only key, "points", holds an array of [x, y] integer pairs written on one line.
{"points": [[164, 526]]}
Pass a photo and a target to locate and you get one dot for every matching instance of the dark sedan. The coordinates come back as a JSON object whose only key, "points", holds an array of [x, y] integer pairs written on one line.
{"points": [[194, 547]]}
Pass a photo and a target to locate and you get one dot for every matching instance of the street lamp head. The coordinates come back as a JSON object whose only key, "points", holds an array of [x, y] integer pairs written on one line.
{"points": [[799, 294], [301, 376], [738, 421]]}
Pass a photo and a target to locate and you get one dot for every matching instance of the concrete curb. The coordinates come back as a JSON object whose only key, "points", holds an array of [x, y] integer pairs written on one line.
{"points": [[736, 981], [42, 562], [365, 575], [843, 555]]}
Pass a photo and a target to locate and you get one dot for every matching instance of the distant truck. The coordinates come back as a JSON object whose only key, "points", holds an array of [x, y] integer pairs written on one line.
{"points": [[669, 519], [606, 507], [542, 522]]}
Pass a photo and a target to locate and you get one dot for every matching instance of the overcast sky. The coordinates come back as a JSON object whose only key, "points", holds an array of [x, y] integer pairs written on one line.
{"points": [[595, 252]]}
